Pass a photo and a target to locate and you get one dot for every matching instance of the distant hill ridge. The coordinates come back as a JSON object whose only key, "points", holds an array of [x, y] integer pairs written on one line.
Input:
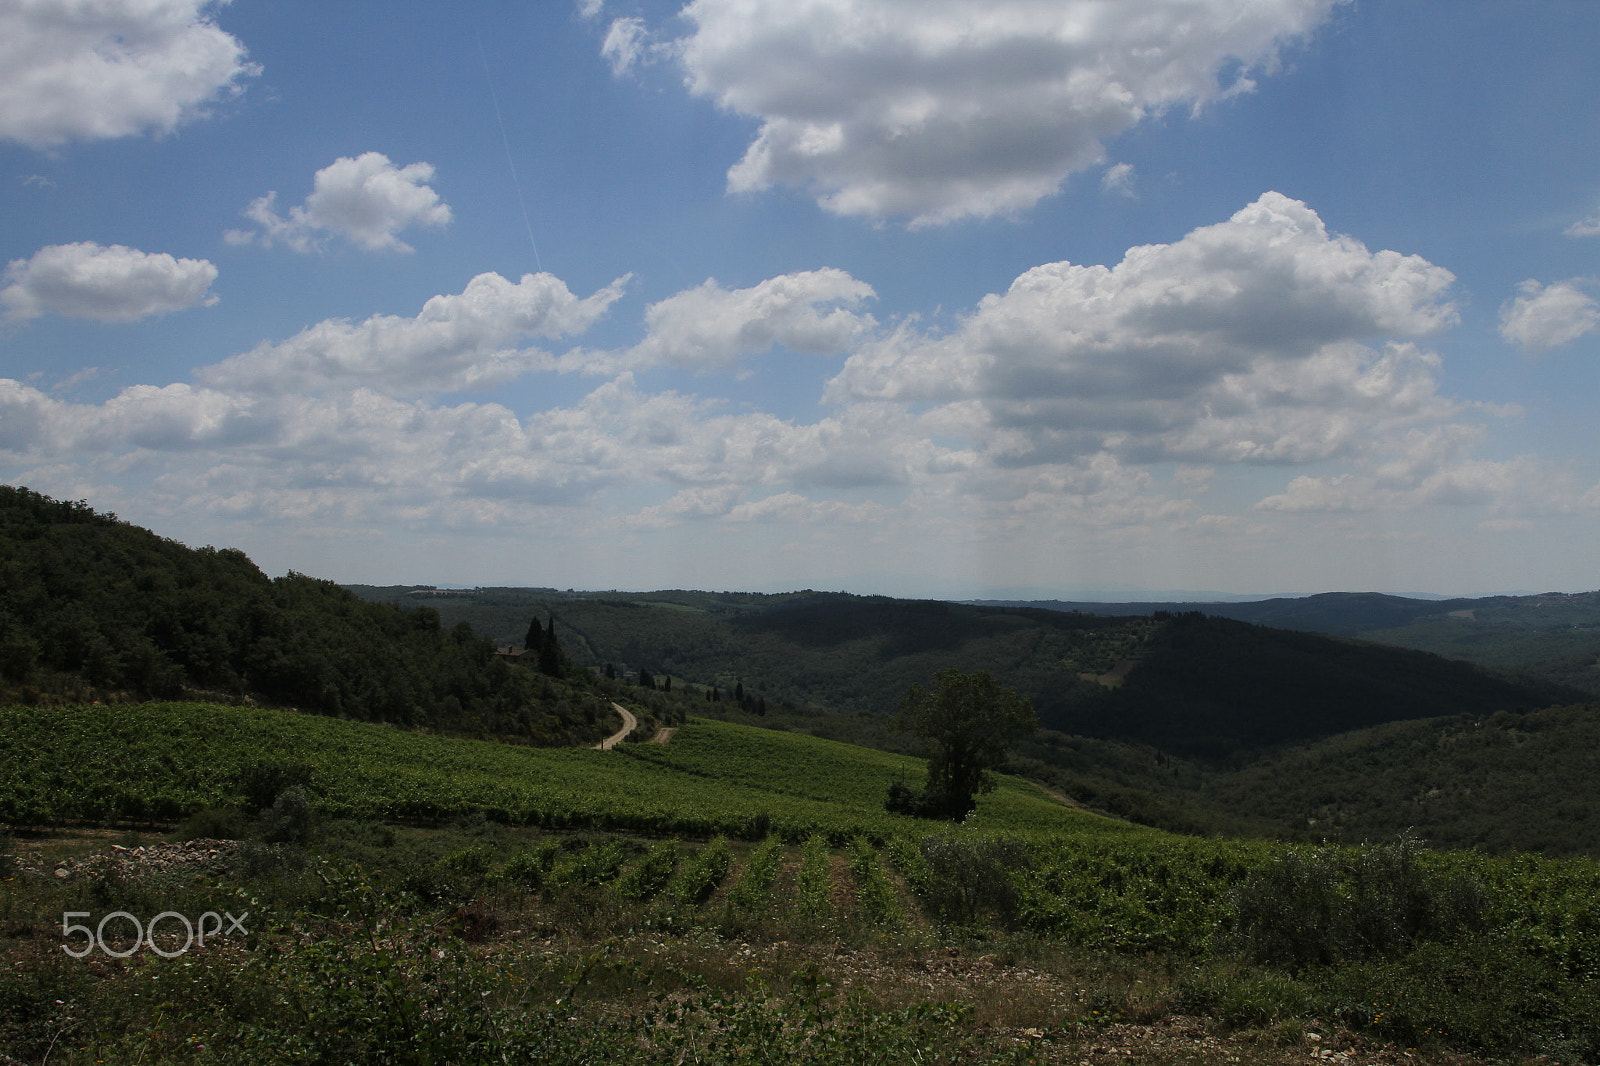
{"points": [[1340, 613], [1553, 635]]}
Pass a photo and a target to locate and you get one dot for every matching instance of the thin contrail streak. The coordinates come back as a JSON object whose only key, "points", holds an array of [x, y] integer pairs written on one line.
{"points": [[499, 121]]}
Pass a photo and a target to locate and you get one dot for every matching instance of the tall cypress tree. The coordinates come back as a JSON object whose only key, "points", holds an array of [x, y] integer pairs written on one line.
{"points": [[551, 661], [535, 638]]}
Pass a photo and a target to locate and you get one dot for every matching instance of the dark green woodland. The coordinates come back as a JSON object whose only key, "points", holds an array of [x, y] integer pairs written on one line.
{"points": [[94, 607]]}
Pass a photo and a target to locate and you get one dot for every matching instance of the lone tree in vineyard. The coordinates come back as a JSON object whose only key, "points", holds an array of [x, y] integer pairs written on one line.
{"points": [[969, 721]]}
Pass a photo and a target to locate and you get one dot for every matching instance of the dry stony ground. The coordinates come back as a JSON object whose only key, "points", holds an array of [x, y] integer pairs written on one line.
{"points": [[213, 856], [1020, 1000]]}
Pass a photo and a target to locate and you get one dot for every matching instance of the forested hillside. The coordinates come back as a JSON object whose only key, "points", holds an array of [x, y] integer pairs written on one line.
{"points": [[1186, 684], [92, 606], [831, 651], [1216, 688], [1498, 783]]}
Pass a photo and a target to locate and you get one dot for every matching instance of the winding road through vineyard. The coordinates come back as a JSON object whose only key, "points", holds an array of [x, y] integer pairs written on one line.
{"points": [[629, 724]]}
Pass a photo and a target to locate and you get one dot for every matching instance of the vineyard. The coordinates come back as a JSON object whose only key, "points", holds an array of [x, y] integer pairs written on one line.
{"points": [[165, 761], [737, 895]]}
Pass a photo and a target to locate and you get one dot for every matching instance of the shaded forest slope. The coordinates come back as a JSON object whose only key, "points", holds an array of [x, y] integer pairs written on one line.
{"points": [[1499, 783]]}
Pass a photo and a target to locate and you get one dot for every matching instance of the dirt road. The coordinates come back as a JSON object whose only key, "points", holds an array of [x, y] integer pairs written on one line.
{"points": [[629, 724]]}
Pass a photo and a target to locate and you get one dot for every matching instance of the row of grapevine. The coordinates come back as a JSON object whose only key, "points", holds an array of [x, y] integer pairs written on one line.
{"points": [[1174, 898], [675, 876]]}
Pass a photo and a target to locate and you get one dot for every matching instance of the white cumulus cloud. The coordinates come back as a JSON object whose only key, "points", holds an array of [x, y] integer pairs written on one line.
{"points": [[110, 68], [115, 284], [934, 110], [1524, 485], [712, 328], [365, 199], [171, 418], [456, 342], [1540, 317], [1240, 342], [1435, 466]]}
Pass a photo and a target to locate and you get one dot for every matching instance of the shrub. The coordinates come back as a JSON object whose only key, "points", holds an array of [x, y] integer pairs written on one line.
{"points": [[596, 865], [270, 862], [472, 861], [1335, 905], [1244, 998], [263, 782], [213, 823], [290, 819], [530, 867], [1487, 993], [753, 892], [965, 881]]}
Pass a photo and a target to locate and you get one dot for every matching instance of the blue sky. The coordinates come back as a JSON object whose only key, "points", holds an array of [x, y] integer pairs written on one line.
{"points": [[925, 297]]}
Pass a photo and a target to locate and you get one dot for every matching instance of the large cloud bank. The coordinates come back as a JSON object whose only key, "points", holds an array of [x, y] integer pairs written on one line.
{"points": [[1082, 398]]}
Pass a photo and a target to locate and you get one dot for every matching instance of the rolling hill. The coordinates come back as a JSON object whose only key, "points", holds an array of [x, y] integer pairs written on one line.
{"points": [[1196, 686], [1555, 636], [1157, 718]]}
